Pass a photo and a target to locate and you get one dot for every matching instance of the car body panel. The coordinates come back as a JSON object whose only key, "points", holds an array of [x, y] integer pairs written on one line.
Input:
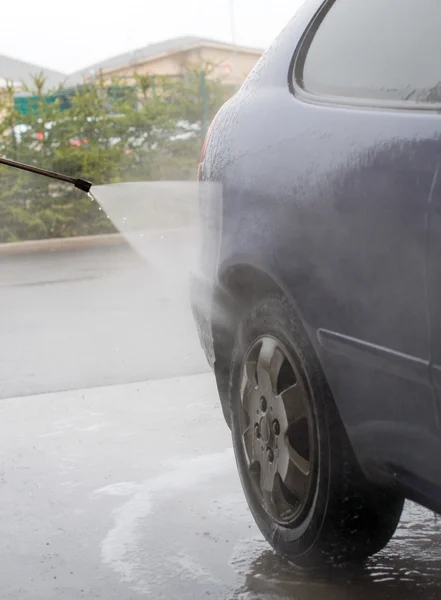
{"points": [[434, 282], [333, 203]]}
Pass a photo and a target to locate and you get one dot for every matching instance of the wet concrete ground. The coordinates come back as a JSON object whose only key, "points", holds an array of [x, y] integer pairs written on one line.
{"points": [[130, 490], [94, 317]]}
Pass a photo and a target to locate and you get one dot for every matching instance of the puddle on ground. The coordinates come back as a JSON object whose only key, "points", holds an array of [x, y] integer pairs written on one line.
{"points": [[193, 537], [408, 569]]}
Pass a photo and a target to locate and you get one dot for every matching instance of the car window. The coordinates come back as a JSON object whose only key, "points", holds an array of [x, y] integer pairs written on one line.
{"points": [[381, 50]]}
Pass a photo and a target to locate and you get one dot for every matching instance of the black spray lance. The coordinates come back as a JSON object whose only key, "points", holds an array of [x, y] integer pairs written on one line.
{"points": [[81, 184]]}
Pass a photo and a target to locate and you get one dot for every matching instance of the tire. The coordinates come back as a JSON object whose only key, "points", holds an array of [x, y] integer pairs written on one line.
{"points": [[311, 502]]}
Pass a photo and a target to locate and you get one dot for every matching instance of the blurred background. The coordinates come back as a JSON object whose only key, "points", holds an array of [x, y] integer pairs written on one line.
{"points": [[115, 95]]}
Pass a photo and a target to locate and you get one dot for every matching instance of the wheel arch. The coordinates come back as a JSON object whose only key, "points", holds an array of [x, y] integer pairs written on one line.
{"points": [[239, 287]]}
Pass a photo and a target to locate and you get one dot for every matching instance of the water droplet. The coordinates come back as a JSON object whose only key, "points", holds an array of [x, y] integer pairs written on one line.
{"points": [[141, 235], [91, 198], [99, 208], [124, 220]]}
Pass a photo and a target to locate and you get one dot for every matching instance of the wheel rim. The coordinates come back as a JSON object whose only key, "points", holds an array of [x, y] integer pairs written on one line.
{"points": [[278, 431]]}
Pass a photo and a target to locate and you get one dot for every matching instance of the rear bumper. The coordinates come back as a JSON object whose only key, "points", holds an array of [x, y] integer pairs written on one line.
{"points": [[201, 306]]}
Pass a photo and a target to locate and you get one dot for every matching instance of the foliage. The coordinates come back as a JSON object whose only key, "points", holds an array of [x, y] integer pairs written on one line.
{"points": [[147, 129]]}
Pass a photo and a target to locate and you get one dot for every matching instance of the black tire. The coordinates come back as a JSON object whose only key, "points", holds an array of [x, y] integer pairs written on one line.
{"points": [[347, 518]]}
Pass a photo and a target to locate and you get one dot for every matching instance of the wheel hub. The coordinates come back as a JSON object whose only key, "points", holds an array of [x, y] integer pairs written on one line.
{"points": [[265, 430]]}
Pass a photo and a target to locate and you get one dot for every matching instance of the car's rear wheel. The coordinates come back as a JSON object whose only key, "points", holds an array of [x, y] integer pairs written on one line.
{"points": [[302, 483]]}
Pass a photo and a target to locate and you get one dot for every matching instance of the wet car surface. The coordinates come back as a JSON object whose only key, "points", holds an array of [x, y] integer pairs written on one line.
{"points": [[323, 317], [130, 489]]}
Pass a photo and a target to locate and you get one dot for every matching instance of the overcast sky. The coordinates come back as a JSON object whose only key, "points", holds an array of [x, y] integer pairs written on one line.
{"points": [[67, 36]]}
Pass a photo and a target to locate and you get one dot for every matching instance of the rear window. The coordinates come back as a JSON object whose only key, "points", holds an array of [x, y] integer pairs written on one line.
{"points": [[375, 50]]}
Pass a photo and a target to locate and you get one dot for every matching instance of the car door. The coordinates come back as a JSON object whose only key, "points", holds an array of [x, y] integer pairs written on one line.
{"points": [[375, 66], [434, 288]]}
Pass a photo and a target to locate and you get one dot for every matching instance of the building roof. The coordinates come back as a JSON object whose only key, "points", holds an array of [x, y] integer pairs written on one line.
{"points": [[149, 52], [20, 72]]}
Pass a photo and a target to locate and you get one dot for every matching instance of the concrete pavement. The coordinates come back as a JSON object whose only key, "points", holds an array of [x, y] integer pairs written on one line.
{"points": [[61, 244], [95, 317], [124, 485], [131, 491]]}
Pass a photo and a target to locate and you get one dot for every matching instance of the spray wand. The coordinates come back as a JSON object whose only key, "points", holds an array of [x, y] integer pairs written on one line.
{"points": [[81, 184]]}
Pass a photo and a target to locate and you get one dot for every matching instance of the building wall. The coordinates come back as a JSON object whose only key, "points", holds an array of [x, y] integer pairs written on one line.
{"points": [[232, 68]]}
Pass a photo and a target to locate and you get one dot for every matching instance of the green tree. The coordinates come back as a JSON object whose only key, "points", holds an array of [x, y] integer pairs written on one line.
{"points": [[144, 130]]}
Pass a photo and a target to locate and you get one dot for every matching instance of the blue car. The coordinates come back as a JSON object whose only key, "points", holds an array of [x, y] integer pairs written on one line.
{"points": [[318, 294]]}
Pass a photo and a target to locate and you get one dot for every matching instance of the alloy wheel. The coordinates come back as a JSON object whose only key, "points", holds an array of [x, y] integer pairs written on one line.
{"points": [[278, 430]]}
